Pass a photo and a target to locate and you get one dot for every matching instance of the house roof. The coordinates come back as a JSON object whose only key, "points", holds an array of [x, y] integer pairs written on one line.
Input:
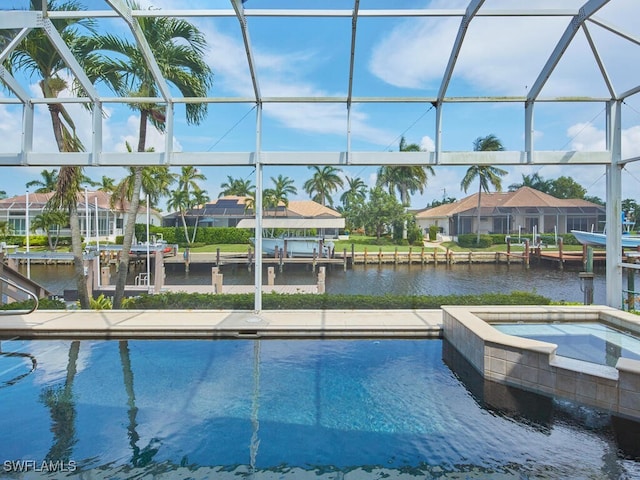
{"points": [[39, 200], [524, 197], [232, 205]]}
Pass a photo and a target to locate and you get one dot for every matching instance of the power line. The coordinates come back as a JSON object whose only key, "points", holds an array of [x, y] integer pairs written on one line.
{"points": [[232, 127]]}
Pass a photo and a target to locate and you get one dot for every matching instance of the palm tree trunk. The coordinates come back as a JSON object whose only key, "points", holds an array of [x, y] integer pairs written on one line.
{"points": [[78, 260], [184, 225], [129, 230], [127, 241]]}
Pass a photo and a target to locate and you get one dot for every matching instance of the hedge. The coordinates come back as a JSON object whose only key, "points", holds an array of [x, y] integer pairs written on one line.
{"points": [[204, 235], [276, 301]]}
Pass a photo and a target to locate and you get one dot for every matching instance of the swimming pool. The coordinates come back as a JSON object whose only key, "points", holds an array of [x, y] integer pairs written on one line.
{"points": [[285, 408], [587, 341]]}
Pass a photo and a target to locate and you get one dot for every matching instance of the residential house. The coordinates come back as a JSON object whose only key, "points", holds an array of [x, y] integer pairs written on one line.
{"points": [[526, 210], [237, 211], [94, 209]]}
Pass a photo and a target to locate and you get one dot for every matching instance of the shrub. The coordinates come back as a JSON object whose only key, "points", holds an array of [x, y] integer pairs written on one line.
{"points": [[433, 232], [275, 301], [470, 240]]}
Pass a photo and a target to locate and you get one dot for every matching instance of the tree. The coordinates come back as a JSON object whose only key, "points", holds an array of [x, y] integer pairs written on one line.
{"points": [[407, 180], [187, 196], [48, 182], [486, 174], [381, 211], [178, 47], [567, 187], [283, 187], [631, 211], [534, 181], [356, 192], [237, 187], [106, 184], [37, 56], [50, 222], [353, 199], [322, 184]]}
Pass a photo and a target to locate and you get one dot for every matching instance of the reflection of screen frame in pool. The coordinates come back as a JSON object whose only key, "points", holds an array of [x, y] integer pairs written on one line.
{"points": [[592, 342]]}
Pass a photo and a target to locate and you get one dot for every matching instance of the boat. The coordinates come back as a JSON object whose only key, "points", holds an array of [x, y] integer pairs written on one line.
{"points": [[600, 239], [293, 246]]}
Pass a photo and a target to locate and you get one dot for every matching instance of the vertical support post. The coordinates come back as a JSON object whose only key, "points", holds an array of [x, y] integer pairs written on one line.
{"points": [[614, 205], [322, 279], [158, 272], [561, 253], [187, 258], [344, 259], [509, 251], [631, 289], [271, 276], [218, 256], [353, 254], [105, 274], [526, 253], [258, 211]]}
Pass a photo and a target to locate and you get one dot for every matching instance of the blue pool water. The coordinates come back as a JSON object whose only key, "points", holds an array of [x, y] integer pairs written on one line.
{"points": [[284, 409], [587, 341]]}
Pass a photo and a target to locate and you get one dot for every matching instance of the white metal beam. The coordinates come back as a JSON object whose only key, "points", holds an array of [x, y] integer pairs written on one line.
{"points": [[615, 30], [15, 41], [125, 12], [614, 206], [601, 66], [587, 10], [69, 59], [472, 9], [239, 9], [13, 85]]}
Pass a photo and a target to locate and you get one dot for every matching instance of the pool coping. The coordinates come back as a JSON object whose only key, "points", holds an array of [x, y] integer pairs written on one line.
{"points": [[209, 324]]}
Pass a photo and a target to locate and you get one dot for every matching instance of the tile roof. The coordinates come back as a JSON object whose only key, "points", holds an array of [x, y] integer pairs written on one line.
{"points": [[39, 200], [524, 197]]}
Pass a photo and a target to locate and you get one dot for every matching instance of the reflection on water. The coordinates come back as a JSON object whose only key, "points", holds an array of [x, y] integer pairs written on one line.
{"points": [[379, 280], [169, 409]]}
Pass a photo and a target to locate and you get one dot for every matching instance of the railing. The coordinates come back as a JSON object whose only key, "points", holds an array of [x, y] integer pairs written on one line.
{"points": [[22, 289]]}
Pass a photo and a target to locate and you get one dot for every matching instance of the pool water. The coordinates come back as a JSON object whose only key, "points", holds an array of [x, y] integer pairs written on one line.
{"points": [[288, 408], [587, 341]]}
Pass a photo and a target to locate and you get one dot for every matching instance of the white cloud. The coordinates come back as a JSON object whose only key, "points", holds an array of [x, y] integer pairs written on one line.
{"points": [[501, 55]]}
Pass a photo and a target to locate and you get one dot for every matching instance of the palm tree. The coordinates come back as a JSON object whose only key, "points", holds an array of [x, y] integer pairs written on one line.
{"points": [[283, 187], [324, 181], [187, 196], [178, 48], [66, 198], [406, 180], [534, 181], [179, 202], [189, 178], [356, 192], [50, 222], [486, 174], [48, 182], [236, 186], [106, 184], [37, 56]]}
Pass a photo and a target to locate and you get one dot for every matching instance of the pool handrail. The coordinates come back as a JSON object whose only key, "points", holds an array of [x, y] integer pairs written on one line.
{"points": [[22, 289]]}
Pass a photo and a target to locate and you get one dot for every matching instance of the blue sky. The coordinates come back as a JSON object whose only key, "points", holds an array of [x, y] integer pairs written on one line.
{"points": [[394, 57]]}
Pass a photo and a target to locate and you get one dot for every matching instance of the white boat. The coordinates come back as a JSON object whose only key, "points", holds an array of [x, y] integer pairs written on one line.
{"points": [[600, 239], [296, 246]]}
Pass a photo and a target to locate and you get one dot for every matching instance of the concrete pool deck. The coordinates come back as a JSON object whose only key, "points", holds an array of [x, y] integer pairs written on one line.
{"points": [[222, 323]]}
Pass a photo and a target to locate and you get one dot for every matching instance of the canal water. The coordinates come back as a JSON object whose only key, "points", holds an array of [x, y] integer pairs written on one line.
{"points": [[558, 285]]}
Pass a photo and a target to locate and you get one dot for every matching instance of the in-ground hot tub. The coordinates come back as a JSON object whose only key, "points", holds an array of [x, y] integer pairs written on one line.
{"points": [[537, 365]]}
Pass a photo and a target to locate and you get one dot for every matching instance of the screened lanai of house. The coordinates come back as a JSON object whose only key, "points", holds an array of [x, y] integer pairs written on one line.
{"points": [[337, 82]]}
